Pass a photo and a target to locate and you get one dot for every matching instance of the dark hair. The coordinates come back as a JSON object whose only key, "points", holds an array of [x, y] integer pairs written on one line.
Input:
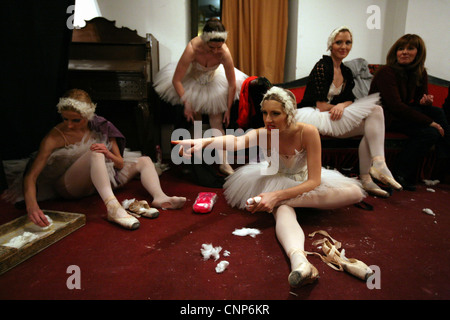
{"points": [[417, 67], [216, 25]]}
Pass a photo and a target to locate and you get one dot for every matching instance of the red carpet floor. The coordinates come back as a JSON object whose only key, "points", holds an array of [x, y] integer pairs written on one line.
{"points": [[162, 259]]}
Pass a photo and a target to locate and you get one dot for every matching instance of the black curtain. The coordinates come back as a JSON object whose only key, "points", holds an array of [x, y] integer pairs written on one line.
{"points": [[35, 39]]}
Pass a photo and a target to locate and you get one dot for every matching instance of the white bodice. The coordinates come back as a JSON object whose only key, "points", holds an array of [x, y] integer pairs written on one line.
{"points": [[201, 74], [293, 166], [333, 92]]}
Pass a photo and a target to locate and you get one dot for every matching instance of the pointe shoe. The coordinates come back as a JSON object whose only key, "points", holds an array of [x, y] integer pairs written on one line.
{"points": [[141, 208], [373, 189], [353, 266], [377, 174], [130, 222], [304, 274]]}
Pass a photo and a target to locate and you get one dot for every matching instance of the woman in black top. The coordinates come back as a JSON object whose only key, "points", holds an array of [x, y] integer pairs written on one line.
{"points": [[329, 104]]}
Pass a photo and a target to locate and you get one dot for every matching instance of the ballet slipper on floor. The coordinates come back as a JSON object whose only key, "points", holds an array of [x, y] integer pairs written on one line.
{"points": [[338, 261], [142, 209]]}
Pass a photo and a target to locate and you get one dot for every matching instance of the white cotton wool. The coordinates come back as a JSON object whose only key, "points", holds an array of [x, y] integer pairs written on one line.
{"points": [[126, 203], [431, 182], [19, 241], [246, 232], [209, 251], [221, 266], [429, 211], [35, 228]]}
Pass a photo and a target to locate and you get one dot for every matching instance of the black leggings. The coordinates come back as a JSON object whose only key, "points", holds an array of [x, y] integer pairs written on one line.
{"points": [[420, 141]]}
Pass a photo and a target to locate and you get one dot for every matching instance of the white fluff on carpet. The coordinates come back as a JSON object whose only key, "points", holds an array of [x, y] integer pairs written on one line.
{"points": [[246, 232], [209, 251], [221, 266]]}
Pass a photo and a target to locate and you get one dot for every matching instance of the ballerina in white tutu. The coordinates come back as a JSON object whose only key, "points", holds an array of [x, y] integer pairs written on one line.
{"points": [[290, 177], [329, 104], [83, 154], [204, 80]]}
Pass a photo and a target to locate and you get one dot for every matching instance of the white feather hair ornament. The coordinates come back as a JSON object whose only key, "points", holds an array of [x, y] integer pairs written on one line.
{"points": [[287, 100], [335, 33], [86, 109], [214, 35]]}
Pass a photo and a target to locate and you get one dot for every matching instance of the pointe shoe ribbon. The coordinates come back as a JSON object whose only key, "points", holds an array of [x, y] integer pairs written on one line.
{"points": [[130, 222], [304, 273], [140, 208], [337, 260]]}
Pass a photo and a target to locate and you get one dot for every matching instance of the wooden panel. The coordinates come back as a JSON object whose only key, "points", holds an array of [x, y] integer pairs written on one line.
{"points": [[103, 30]]}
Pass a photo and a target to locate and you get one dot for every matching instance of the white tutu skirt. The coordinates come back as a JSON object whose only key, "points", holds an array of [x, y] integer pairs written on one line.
{"points": [[57, 164], [351, 118], [205, 88], [248, 182]]}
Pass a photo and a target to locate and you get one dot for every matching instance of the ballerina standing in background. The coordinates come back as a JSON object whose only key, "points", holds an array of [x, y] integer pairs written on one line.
{"points": [[204, 80], [329, 104], [297, 180]]}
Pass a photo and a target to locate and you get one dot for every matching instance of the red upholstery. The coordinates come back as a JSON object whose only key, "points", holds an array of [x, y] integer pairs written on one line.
{"points": [[342, 153]]}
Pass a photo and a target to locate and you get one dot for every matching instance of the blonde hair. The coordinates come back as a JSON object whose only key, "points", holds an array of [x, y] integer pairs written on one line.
{"points": [[287, 100], [335, 32], [79, 101]]}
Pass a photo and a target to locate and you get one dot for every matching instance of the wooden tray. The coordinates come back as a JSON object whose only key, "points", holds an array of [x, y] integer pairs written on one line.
{"points": [[64, 223]]}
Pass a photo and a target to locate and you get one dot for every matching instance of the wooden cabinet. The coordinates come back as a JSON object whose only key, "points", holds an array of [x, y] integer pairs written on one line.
{"points": [[116, 67]]}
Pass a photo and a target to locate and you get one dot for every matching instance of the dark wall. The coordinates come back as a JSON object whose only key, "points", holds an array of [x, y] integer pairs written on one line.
{"points": [[35, 41]]}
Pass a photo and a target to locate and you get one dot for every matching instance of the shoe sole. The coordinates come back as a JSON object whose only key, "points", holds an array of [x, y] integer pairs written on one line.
{"points": [[384, 179]]}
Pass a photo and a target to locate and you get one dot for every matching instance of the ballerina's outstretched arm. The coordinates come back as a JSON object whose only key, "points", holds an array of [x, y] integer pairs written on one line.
{"points": [[226, 142]]}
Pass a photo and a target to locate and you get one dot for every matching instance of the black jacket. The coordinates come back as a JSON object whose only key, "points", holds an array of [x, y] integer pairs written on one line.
{"points": [[319, 82]]}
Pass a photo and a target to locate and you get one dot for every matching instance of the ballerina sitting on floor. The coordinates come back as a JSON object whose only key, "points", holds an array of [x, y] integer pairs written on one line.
{"points": [[82, 155], [291, 177]]}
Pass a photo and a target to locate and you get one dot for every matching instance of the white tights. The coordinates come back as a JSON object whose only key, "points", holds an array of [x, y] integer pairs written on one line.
{"points": [[89, 174], [288, 230], [372, 143]]}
